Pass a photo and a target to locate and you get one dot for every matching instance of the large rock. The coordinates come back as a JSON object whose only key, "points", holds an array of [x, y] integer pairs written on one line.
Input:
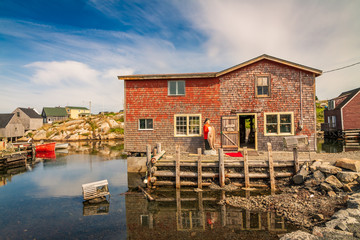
{"points": [[316, 164], [325, 168], [347, 176], [326, 232], [333, 181], [350, 164], [326, 187], [40, 135], [298, 235], [318, 175]]}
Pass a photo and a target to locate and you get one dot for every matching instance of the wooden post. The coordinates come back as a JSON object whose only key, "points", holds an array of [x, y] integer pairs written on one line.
{"points": [[296, 160], [246, 168], [177, 170], [178, 209], [199, 167], [271, 167], [158, 146], [223, 210], [148, 164], [221, 168]]}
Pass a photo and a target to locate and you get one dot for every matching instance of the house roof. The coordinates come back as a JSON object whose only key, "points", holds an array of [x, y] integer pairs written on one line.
{"points": [[55, 112], [72, 107], [5, 119], [350, 94], [317, 72], [30, 112]]}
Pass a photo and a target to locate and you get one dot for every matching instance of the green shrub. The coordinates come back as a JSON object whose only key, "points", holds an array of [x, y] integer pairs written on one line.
{"points": [[117, 130]]}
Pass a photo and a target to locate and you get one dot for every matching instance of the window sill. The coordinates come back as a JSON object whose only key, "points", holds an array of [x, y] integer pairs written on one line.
{"points": [[146, 129]]}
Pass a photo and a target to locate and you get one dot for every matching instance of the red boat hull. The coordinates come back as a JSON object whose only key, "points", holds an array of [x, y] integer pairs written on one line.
{"points": [[46, 155], [47, 147]]}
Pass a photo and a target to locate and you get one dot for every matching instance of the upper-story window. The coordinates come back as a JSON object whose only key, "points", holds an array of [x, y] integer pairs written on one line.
{"points": [[18, 114], [176, 88], [331, 104], [146, 124], [262, 83]]}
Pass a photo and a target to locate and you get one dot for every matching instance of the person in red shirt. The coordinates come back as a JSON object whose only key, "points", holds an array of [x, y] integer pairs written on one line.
{"points": [[206, 132]]}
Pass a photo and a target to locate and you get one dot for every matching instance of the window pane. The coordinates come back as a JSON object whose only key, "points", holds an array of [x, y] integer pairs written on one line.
{"points": [[181, 87], [172, 88], [181, 125], [286, 118], [149, 124], [259, 91], [271, 128], [271, 119], [285, 128], [142, 123], [194, 125], [265, 90]]}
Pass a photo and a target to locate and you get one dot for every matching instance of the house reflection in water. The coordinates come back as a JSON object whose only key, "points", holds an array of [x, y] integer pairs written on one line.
{"points": [[190, 214]]}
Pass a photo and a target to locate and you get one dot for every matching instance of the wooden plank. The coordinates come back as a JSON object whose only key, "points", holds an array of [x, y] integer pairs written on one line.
{"points": [[228, 138], [246, 168], [169, 173], [221, 168], [271, 167], [178, 207], [158, 146], [199, 168], [296, 160], [227, 164], [177, 168]]}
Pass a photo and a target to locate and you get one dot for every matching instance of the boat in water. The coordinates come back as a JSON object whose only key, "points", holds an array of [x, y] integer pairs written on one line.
{"points": [[46, 147], [61, 145]]}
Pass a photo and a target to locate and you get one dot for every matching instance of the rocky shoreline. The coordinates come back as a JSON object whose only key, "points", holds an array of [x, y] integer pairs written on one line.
{"points": [[95, 127], [312, 198]]}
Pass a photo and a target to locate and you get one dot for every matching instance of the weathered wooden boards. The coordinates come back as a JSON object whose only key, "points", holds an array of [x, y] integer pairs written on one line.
{"points": [[200, 173], [95, 190]]}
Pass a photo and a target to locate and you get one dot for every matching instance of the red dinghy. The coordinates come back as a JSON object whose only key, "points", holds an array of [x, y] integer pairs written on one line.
{"points": [[47, 147]]}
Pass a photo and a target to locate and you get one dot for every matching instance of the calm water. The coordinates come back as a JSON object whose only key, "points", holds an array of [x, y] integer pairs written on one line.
{"points": [[47, 203]]}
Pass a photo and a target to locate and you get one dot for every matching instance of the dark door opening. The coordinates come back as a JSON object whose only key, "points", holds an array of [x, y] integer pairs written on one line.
{"points": [[247, 131]]}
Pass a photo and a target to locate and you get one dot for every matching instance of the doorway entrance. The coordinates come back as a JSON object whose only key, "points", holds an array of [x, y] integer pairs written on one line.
{"points": [[248, 130]]}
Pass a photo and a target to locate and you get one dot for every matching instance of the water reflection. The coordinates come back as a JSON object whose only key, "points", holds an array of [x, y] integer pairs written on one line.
{"points": [[189, 214], [101, 208], [328, 145]]}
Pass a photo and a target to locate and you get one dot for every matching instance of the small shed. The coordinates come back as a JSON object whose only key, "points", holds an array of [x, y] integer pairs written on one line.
{"points": [[29, 118], [54, 114], [10, 126]]}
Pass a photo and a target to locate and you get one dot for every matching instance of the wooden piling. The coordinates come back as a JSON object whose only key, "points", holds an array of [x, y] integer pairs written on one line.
{"points": [[271, 167], [221, 168], [246, 168], [177, 168], [148, 164], [296, 160], [199, 168]]}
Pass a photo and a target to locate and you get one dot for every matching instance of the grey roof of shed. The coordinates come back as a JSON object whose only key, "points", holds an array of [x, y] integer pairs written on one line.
{"points": [[30, 112], [5, 119]]}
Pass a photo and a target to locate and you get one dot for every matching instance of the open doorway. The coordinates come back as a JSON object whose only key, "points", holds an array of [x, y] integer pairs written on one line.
{"points": [[247, 130]]}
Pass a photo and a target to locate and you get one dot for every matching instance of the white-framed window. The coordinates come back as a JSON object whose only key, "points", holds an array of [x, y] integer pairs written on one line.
{"points": [[176, 88], [281, 123], [187, 125], [262, 83], [146, 124], [332, 121], [331, 104]]}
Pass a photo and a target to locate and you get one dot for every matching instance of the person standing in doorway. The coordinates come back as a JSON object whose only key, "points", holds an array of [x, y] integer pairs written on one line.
{"points": [[208, 135]]}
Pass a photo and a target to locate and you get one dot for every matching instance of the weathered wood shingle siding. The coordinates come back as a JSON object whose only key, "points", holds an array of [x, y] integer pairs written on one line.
{"points": [[351, 113], [237, 93], [149, 99]]}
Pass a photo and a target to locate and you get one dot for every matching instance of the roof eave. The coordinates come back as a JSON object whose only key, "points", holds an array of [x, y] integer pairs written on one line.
{"points": [[166, 76]]}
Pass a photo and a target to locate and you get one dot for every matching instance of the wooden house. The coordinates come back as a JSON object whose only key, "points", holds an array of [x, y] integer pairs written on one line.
{"points": [[76, 112], [54, 114], [10, 126], [258, 101], [343, 114], [30, 119]]}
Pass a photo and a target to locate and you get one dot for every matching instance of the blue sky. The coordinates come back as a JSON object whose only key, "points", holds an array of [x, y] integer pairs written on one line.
{"points": [[66, 52]]}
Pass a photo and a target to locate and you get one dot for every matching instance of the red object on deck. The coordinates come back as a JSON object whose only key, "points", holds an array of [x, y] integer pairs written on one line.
{"points": [[234, 154], [47, 147]]}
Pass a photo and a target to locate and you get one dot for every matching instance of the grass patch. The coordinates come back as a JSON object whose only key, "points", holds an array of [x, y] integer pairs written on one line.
{"points": [[117, 130]]}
